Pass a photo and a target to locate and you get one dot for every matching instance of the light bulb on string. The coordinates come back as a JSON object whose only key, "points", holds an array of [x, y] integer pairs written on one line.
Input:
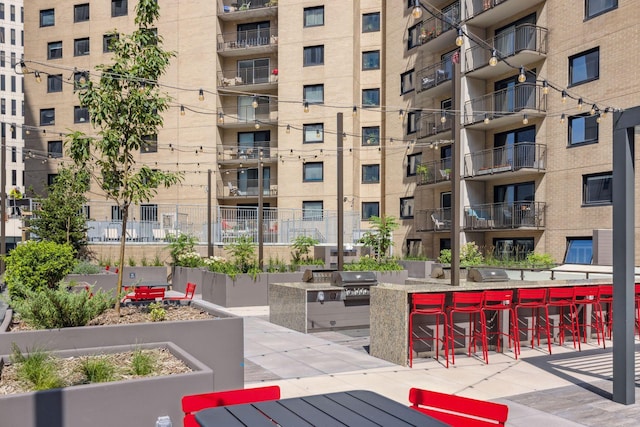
{"points": [[580, 104], [355, 111], [417, 10], [460, 38], [562, 118], [201, 95], [443, 118], [564, 96], [525, 120], [401, 114], [306, 106], [545, 87], [599, 118], [486, 119], [604, 113], [254, 103], [37, 76], [182, 112], [522, 77], [257, 125], [493, 61], [288, 129], [220, 118], [593, 110]]}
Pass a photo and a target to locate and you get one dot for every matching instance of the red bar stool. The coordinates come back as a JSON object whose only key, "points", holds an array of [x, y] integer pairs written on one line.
{"points": [[429, 305], [534, 300], [469, 303], [497, 302], [606, 298], [563, 298], [585, 297]]}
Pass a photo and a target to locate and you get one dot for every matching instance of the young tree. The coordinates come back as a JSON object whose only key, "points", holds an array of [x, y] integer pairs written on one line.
{"points": [[125, 107], [60, 217], [379, 238]]}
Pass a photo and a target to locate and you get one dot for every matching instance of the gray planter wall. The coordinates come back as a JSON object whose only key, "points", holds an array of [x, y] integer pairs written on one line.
{"points": [[132, 403], [183, 275], [397, 277], [108, 281], [417, 269]]}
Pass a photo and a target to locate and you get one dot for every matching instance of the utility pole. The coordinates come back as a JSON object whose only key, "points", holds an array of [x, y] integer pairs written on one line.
{"points": [[340, 167]]}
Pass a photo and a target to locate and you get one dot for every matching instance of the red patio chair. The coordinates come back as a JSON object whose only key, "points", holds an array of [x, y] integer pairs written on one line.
{"points": [[496, 302], [429, 304], [606, 313], [589, 296], [188, 294], [196, 402], [534, 300], [565, 298], [469, 303]]}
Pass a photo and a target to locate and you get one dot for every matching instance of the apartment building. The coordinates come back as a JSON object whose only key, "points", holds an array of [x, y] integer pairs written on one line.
{"points": [[259, 88]]}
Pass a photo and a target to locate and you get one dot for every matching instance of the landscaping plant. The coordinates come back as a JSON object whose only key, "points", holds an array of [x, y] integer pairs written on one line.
{"points": [[142, 363], [470, 255], [181, 245], [242, 251], [379, 237], [301, 245], [367, 263], [97, 370], [37, 368], [157, 312]]}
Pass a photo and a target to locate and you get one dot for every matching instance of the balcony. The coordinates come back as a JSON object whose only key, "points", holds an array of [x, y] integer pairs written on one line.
{"points": [[431, 30], [522, 45], [252, 42], [433, 220], [234, 155], [483, 13], [245, 188], [239, 10], [505, 107], [250, 79], [435, 80], [516, 215], [238, 115], [431, 125], [522, 158], [434, 172]]}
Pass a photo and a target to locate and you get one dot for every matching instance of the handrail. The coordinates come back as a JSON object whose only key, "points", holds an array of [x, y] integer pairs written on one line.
{"points": [[433, 75], [507, 158], [504, 102], [432, 124]]}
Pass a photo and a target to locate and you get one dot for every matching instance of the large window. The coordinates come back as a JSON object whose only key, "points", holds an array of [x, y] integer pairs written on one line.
{"points": [[149, 213], [312, 210], [81, 12], [118, 8], [413, 118], [413, 160], [371, 97], [107, 42], [413, 35], [597, 189], [371, 135], [54, 83], [584, 67], [583, 129], [579, 250], [313, 133], [515, 147], [598, 7], [54, 50], [313, 16], [370, 209], [406, 207], [406, 82], [313, 94], [312, 172], [47, 17], [371, 60], [80, 115], [54, 149], [370, 174], [313, 55], [512, 249], [370, 22], [47, 116], [81, 47]]}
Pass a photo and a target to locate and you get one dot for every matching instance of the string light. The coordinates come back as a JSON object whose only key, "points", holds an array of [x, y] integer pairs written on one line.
{"points": [[182, 113], [525, 120], [306, 107], [257, 125], [355, 111], [37, 75], [564, 96], [522, 77], [604, 113], [486, 119], [460, 38], [443, 118], [594, 108], [401, 114], [288, 129], [201, 95], [580, 104], [254, 103], [493, 61], [220, 118], [598, 119], [562, 117], [417, 10], [545, 87]]}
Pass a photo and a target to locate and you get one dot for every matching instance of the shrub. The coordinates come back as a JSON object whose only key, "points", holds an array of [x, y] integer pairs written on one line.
{"points": [[379, 237], [37, 368], [132, 262], [60, 308], [35, 265], [276, 265], [142, 363], [469, 255], [179, 245], [157, 313], [242, 251], [367, 263], [540, 260], [157, 262], [189, 259], [85, 267], [97, 370], [219, 264], [301, 245]]}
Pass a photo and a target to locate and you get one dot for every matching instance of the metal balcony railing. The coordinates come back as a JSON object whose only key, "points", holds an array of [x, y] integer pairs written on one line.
{"points": [[476, 7], [504, 159], [523, 214], [525, 37], [433, 172], [248, 187], [523, 96], [248, 76], [433, 220], [248, 39], [229, 6], [246, 114], [433, 27], [432, 124], [259, 150], [434, 75]]}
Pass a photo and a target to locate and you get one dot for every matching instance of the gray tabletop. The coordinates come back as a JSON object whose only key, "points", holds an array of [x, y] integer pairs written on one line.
{"points": [[349, 408]]}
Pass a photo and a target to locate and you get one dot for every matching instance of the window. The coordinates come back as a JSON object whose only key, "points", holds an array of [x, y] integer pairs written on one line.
{"points": [[13, 131], [370, 209], [370, 174], [12, 10], [13, 59], [312, 172], [13, 83], [3, 107], [370, 97], [370, 22], [371, 135], [13, 36], [313, 55], [512, 249], [14, 177], [2, 58], [54, 83], [313, 133], [2, 39], [47, 116], [594, 8], [14, 108], [47, 17], [85, 211], [579, 250], [51, 178], [149, 144], [116, 213], [406, 82], [118, 8], [107, 42], [14, 154], [312, 210], [54, 149], [80, 115], [79, 78], [149, 213], [518, 147], [597, 189], [414, 248], [413, 36], [54, 50], [1, 10], [583, 129], [81, 12], [313, 16], [81, 47], [584, 67], [406, 207], [371, 60], [313, 94], [413, 118], [413, 160]]}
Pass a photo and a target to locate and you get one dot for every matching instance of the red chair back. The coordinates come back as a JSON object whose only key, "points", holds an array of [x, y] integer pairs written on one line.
{"points": [[457, 410], [190, 291], [467, 300], [560, 295], [428, 302], [589, 293], [499, 299], [532, 296], [606, 293]]}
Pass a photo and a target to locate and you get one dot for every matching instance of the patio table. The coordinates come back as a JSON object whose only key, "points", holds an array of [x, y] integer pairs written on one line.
{"points": [[348, 408]]}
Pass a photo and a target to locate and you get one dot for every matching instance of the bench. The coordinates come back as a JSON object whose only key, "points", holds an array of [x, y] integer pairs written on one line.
{"points": [[457, 410], [144, 293]]}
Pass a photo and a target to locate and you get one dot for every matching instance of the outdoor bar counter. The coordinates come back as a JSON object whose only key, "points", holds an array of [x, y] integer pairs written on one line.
{"points": [[390, 306]]}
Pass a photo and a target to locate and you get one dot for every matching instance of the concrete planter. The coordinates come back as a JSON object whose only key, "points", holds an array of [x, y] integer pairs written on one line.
{"points": [[216, 342], [417, 269], [243, 290], [108, 281], [180, 276], [137, 402], [398, 277]]}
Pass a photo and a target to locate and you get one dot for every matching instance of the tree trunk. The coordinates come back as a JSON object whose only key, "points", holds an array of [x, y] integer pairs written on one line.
{"points": [[123, 239]]}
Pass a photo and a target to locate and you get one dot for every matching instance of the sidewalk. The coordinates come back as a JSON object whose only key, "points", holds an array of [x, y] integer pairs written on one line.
{"points": [[568, 388]]}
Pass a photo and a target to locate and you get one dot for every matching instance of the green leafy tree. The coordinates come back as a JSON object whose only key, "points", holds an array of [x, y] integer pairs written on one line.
{"points": [[125, 107], [60, 217], [301, 246], [243, 252], [379, 237]]}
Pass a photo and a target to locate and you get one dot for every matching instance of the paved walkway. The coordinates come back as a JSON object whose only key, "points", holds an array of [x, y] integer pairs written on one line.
{"points": [[568, 388]]}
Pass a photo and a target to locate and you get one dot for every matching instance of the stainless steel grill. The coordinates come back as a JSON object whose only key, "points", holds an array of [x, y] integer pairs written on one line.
{"points": [[356, 285]]}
